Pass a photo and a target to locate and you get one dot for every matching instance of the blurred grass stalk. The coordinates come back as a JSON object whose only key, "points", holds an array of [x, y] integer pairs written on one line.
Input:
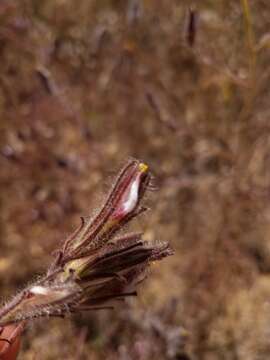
{"points": [[250, 38], [252, 89]]}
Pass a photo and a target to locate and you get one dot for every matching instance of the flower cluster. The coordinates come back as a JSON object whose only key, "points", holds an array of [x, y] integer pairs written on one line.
{"points": [[95, 266]]}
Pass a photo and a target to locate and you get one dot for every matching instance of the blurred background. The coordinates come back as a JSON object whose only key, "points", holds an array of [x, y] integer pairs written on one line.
{"points": [[181, 85]]}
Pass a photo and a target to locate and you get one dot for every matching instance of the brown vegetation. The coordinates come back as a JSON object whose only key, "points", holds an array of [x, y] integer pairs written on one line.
{"points": [[85, 85]]}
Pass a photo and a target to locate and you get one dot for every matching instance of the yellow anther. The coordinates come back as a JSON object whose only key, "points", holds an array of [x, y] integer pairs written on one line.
{"points": [[143, 167]]}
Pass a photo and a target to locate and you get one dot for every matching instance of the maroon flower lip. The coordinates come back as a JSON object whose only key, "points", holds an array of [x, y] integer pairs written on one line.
{"points": [[132, 192], [94, 267]]}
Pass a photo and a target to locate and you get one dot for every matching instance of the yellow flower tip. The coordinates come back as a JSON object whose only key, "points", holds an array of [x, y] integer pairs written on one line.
{"points": [[143, 167]]}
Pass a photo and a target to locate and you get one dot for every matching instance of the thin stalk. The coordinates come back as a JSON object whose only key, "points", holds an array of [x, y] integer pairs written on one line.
{"points": [[250, 38]]}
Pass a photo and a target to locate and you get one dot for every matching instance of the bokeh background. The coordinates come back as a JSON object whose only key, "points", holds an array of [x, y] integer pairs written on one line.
{"points": [[181, 85]]}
